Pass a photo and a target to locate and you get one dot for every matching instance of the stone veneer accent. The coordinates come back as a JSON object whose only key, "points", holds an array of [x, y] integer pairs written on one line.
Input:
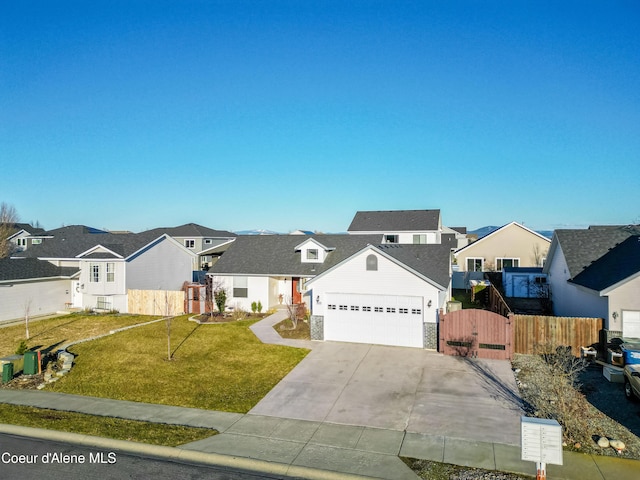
{"points": [[431, 336], [317, 327]]}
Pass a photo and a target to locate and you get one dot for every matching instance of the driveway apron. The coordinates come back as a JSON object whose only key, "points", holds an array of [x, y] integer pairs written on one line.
{"points": [[404, 389]]}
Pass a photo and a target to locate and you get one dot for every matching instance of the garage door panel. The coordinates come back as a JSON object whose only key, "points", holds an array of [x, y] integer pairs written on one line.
{"points": [[377, 319]]}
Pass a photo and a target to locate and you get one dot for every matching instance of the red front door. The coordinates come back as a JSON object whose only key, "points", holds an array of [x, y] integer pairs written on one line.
{"points": [[295, 293]]}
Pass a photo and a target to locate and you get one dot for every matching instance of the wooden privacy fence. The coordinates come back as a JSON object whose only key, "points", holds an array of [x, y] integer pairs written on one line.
{"points": [[531, 331], [475, 333], [155, 302]]}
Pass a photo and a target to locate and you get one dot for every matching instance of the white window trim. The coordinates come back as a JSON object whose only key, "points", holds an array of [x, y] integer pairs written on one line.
{"points": [[110, 272], [474, 259], [190, 243], [97, 269], [501, 260]]}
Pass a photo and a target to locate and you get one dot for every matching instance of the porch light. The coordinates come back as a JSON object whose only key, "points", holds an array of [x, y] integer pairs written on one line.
{"points": [[318, 299], [429, 304]]}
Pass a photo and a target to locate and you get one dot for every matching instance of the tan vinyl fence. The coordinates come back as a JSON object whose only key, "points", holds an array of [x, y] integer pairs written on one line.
{"points": [[156, 302], [530, 331]]}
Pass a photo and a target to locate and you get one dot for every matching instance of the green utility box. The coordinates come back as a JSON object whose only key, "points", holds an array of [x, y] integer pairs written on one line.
{"points": [[30, 363], [7, 372]]}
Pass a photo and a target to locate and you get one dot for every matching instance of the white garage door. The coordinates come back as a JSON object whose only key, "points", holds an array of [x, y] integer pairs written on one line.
{"points": [[631, 324], [377, 319]]}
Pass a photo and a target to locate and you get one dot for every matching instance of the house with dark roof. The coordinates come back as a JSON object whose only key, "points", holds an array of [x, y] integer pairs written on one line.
{"points": [[398, 226], [595, 272], [382, 293], [20, 233], [29, 286], [203, 241], [112, 264]]}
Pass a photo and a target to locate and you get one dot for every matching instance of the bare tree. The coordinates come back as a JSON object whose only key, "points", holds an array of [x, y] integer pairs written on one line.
{"points": [[8, 219], [27, 310], [296, 311]]}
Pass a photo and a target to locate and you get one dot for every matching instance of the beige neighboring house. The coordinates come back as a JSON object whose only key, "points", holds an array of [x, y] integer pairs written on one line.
{"points": [[512, 245]]}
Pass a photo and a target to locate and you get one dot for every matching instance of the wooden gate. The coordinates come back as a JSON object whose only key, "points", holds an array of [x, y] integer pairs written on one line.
{"points": [[475, 333]]}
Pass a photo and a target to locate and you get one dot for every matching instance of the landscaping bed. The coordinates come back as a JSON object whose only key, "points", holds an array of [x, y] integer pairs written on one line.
{"points": [[573, 405], [302, 331]]}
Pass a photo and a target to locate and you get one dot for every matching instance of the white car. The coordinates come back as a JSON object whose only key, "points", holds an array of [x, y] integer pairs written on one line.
{"points": [[632, 381]]}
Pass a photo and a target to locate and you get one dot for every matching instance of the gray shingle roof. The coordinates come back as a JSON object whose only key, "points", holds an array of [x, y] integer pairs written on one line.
{"points": [[71, 241], [395, 221], [275, 255], [584, 246], [619, 263], [191, 230], [27, 268]]}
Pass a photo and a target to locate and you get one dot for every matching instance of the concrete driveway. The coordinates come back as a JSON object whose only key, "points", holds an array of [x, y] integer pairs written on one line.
{"points": [[403, 389]]}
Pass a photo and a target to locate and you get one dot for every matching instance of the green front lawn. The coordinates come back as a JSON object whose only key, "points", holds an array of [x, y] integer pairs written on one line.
{"points": [[131, 430], [219, 366]]}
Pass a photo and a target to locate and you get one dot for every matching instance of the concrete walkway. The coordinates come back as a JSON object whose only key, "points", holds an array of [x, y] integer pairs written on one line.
{"points": [[287, 447]]}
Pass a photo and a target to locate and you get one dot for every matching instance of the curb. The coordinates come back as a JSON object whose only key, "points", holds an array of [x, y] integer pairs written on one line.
{"points": [[177, 454]]}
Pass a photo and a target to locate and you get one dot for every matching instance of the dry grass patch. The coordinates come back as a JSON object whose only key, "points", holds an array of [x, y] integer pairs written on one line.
{"points": [[219, 367], [49, 334], [131, 430]]}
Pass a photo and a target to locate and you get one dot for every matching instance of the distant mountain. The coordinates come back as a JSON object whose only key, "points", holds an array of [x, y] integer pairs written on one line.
{"points": [[484, 231], [256, 232]]}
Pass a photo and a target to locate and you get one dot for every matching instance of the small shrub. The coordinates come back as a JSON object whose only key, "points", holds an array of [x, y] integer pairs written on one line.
{"points": [[259, 306], [220, 297], [22, 347], [254, 307], [238, 313]]}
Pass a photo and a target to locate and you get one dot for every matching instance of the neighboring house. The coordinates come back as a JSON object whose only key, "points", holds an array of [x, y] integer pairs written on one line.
{"points": [[411, 280], [112, 264], [21, 233], [29, 286], [399, 226], [301, 232], [203, 241], [524, 282], [595, 272], [512, 245]]}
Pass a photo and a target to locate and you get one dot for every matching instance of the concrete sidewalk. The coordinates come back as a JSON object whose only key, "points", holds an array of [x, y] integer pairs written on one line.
{"points": [[306, 449]]}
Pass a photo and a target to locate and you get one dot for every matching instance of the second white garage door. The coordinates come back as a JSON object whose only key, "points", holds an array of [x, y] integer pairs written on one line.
{"points": [[377, 319]]}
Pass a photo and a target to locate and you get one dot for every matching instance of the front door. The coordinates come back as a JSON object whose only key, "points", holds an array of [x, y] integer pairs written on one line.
{"points": [[296, 296], [76, 295]]}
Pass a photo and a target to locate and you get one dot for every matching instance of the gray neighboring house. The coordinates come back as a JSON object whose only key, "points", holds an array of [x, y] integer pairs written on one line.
{"points": [[21, 233], [206, 243], [595, 272], [34, 287], [382, 293], [112, 264]]}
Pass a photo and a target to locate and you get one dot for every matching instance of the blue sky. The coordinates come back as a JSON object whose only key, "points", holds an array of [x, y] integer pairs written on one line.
{"points": [[296, 114]]}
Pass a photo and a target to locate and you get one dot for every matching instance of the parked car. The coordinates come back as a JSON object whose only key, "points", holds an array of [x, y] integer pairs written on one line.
{"points": [[632, 381]]}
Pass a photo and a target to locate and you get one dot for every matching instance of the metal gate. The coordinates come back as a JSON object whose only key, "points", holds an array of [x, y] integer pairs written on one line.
{"points": [[476, 333]]}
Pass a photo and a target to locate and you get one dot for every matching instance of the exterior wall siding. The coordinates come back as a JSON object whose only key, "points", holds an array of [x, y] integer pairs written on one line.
{"points": [[163, 267], [624, 297], [45, 297]]}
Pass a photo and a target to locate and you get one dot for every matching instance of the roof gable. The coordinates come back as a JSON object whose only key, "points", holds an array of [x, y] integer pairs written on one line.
{"points": [[498, 232]]}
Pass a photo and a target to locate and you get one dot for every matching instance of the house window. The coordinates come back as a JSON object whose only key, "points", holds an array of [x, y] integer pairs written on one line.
{"points": [[475, 264], [240, 287], [366, 309], [502, 263], [403, 310], [540, 280], [94, 272], [372, 262], [331, 307], [36, 241], [103, 303], [312, 254], [391, 310], [343, 307], [355, 308], [22, 242], [378, 309], [190, 243], [111, 272], [208, 241], [416, 311], [420, 239], [391, 239]]}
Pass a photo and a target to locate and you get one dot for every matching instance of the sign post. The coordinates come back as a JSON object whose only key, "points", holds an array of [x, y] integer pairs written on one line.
{"points": [[541, 443]]}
